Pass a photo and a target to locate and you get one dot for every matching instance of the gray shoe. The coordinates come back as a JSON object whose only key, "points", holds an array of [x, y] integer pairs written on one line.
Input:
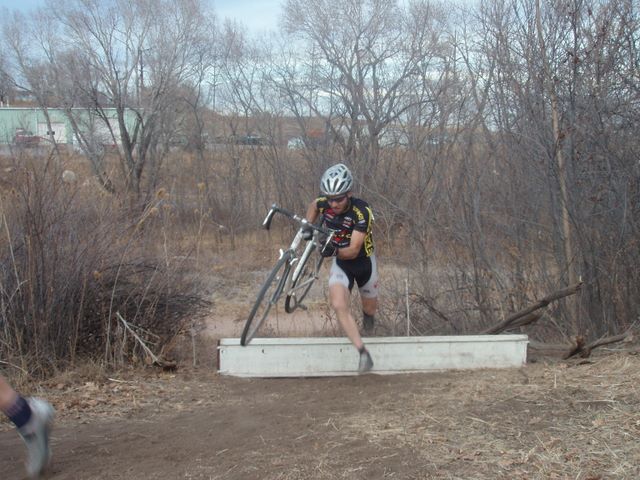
{"points": [[368, 322], [366, 363], [35, 435]]}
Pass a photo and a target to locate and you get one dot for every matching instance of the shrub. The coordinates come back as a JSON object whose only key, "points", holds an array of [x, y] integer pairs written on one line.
{"points": [[72, 256]]}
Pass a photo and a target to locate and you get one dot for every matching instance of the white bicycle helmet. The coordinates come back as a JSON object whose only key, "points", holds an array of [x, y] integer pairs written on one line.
{"points": [[336, 180]]}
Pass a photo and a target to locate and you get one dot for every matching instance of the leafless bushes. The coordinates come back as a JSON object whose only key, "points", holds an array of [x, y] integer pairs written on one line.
{"points": [[72, 257], [497, 142]]}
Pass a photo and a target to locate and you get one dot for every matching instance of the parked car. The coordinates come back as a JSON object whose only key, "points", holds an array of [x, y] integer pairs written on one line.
{"points": [[252, 140], [25, 138]]}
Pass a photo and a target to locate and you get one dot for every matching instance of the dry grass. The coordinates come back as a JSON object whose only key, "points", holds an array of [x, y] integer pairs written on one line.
{"points": [[556, 420]]}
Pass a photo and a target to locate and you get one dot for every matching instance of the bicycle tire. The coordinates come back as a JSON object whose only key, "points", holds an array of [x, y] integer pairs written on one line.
{"points": [[307, 274], [257, 315]]}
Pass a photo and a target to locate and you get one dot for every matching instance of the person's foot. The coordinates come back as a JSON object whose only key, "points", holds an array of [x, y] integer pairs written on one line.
{"points": [[366, 363], [35, 435], [368, 322]]}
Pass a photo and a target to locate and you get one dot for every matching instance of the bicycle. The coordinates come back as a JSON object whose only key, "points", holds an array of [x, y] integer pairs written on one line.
{"points": [[293, 274]]}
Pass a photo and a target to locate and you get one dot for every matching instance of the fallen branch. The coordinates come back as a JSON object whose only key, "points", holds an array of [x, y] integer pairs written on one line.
{"points": [[577, 346], [565, 351], [585, 350], [154, 359], [510, 321], [526, 320]]}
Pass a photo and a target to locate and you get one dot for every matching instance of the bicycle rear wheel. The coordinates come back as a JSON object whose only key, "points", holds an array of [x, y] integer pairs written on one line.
{"points": [[301, 285], [267, 297]]}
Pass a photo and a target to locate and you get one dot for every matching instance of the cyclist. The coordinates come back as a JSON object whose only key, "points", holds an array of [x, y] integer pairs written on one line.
{"points": [[352, 246], [33, 417]]}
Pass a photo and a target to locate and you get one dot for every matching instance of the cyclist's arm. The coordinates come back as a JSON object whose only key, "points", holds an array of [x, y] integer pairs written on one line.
{"points": [[353, 249], [312, 212]]}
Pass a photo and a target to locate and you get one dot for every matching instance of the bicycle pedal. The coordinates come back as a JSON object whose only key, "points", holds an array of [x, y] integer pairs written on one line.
{"points": [[302, 307]]}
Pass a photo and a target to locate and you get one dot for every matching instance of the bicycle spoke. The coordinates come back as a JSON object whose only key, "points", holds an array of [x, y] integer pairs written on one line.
{"points": [[268, 297]]}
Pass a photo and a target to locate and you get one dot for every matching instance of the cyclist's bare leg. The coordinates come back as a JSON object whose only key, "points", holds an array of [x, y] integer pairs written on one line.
{"points": [[339, 297], [369, 291], [369, 305], [8, 396]]}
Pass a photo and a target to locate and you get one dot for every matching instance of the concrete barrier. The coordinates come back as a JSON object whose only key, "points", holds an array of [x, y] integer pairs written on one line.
{"points": [[308, 357]]}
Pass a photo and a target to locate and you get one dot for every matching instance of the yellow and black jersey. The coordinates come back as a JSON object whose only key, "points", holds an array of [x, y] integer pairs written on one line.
{"points": [[357, 217]]}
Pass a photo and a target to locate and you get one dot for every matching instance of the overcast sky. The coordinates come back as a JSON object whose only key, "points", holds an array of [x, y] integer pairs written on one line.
{"points": [[257, 15]]}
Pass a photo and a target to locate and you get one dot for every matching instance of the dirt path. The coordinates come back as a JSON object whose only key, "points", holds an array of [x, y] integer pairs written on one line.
{"points": [[540, 422]]}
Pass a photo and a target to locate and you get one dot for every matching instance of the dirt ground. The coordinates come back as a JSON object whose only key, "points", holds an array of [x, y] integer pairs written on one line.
{"points": [[576, 420], [543, 421]]}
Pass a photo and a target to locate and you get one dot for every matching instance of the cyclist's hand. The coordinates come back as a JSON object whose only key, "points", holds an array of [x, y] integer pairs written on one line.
{"points": [[307, 232], [329, 250]]}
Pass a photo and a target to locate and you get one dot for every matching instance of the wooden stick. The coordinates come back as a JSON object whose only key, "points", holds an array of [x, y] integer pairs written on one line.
{"points": [[140, 341], [579, 346], [585, 350], [536, 306]]}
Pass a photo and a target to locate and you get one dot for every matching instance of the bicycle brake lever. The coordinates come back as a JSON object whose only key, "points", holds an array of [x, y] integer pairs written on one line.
{"points": [[326, 241], [329, 238]]}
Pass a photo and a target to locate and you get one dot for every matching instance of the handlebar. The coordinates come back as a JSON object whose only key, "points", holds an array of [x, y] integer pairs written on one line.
{"points": [[266, 224]]}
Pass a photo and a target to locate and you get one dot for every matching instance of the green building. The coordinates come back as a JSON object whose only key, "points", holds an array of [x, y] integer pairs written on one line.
{"points": [[29, 125]]}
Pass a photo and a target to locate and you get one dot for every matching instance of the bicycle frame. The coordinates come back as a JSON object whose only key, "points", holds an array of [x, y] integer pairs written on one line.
{"points": [[288, 270], [298, 261], [298, 268]]}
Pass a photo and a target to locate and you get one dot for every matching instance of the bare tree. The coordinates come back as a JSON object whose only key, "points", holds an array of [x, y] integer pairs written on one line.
{"points": [[512, 167], [131, 57], [365, 60], [5, 83], [24, 67], [560, 134]]}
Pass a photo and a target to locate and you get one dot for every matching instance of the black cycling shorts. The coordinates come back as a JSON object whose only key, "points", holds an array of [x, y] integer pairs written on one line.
{"points": [[362, 270]]}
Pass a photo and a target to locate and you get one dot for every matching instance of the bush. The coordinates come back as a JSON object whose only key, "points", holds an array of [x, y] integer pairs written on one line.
{"points": [[72, 257]]}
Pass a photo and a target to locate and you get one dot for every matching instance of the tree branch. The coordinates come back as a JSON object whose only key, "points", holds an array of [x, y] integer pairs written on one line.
{"points": [[509, 321]]}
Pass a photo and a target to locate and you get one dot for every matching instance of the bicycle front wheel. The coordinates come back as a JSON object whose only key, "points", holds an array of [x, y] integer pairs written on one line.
{"points": [[267, 297], [301, 284]]}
